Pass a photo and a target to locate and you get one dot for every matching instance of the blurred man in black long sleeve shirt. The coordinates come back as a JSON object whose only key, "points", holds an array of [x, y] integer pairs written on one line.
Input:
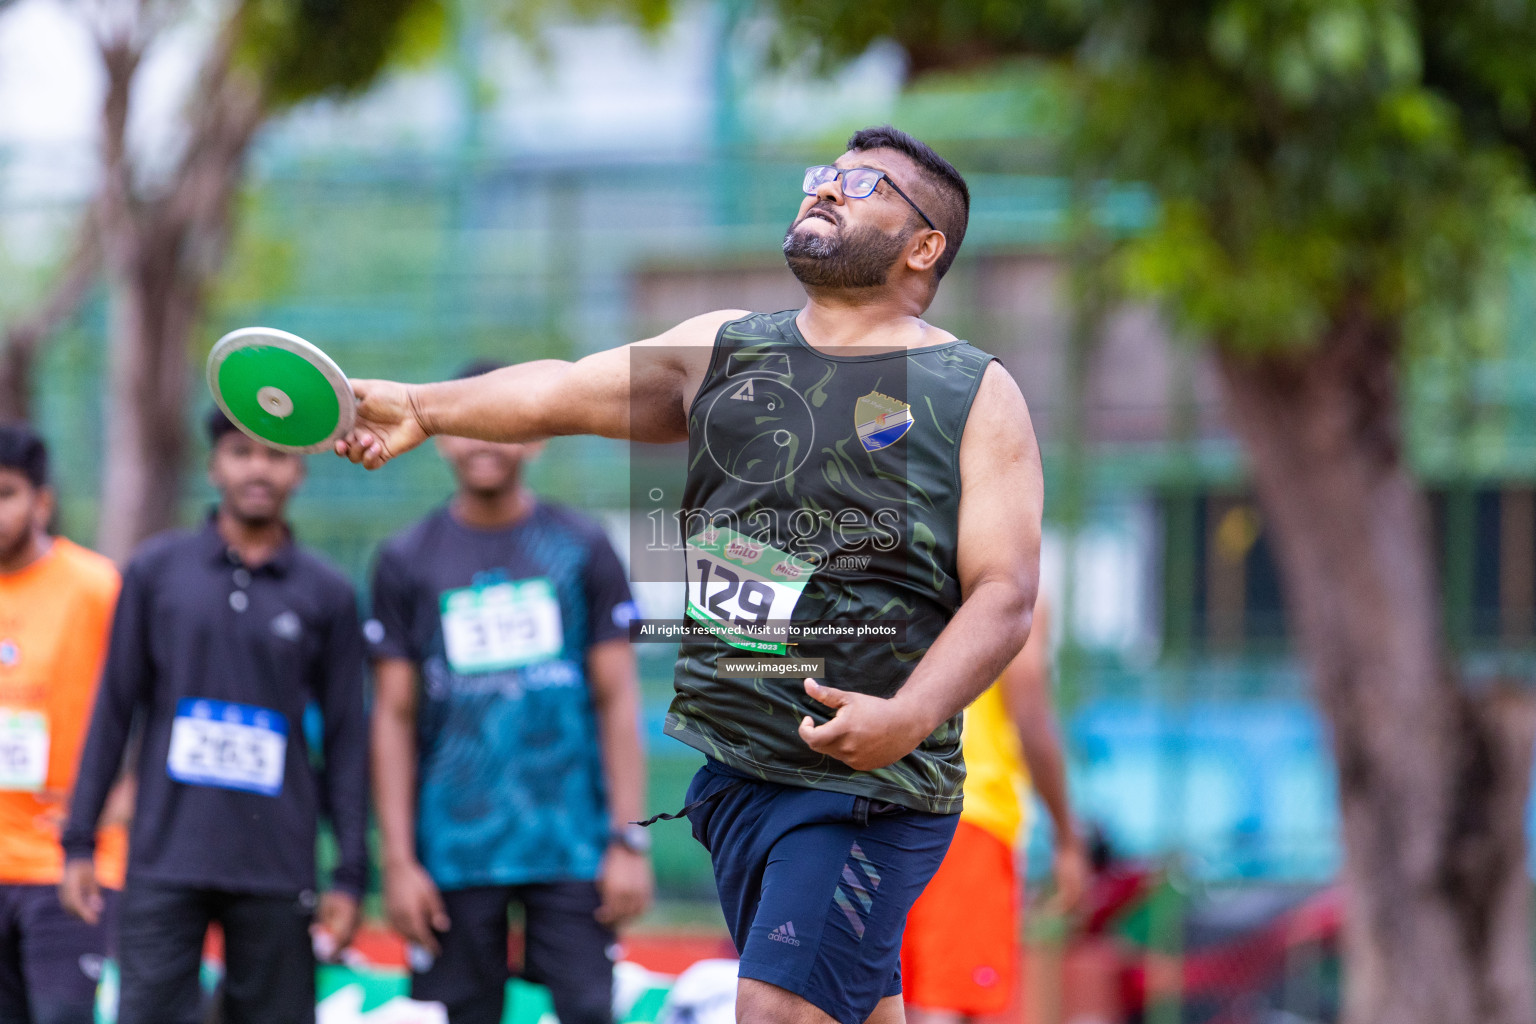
{"points": [[222, 638]]}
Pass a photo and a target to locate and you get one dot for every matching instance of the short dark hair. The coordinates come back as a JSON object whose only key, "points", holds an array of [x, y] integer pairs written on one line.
{"points": [[946, 184], [479, 367], [216, 425], [22, 450]]}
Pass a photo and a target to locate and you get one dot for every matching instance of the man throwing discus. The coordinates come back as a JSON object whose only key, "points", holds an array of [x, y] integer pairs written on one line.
{"points": [[848, 463]]}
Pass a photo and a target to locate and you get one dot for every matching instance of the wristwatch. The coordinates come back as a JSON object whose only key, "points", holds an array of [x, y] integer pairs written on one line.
{"points": [[632, 837]]}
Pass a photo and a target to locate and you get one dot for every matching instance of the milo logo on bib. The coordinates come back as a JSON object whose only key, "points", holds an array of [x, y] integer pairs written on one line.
{"points": [[743, 551], [744, 590], [789, 568]]}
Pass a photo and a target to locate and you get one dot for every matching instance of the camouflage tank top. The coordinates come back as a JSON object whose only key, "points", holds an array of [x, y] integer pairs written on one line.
{"points": [[821, 517]]}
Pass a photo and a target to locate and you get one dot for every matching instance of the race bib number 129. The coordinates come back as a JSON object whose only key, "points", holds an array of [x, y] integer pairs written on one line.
{"points": [[23, 750], [229, 746], [744, 590]]}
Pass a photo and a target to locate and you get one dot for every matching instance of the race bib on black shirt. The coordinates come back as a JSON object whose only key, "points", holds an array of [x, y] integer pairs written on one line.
{"points": [[229, 746]]}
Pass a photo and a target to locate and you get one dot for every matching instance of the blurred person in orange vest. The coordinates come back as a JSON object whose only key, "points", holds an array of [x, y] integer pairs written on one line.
{"points": [[960, 953], [56, 601]]}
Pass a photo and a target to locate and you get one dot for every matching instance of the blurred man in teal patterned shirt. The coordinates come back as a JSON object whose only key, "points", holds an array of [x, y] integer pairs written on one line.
{"points": [[507, 753]]}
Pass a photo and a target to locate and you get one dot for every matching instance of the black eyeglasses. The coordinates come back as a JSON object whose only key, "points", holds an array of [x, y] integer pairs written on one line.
{"points": [[858, 183]]}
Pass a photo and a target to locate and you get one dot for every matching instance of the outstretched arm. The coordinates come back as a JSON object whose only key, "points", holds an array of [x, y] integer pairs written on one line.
{"points": [[1002, 495], [640, 392]]}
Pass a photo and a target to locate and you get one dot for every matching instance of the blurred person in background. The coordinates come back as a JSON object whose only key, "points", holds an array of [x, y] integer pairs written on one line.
{"points": [[507, 762], [55, 611], [223, 637], [960, 953]]}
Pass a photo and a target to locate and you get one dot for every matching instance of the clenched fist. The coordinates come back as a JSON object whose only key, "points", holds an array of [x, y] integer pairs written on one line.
{"points": [[864, 732], [388, 423]]}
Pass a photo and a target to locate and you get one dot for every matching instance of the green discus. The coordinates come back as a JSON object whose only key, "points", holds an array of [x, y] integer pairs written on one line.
{"points": [[280, 389]]}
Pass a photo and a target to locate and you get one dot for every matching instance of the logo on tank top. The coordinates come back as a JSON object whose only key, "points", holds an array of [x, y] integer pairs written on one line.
{"points": [[10, 654], [881, 420]]}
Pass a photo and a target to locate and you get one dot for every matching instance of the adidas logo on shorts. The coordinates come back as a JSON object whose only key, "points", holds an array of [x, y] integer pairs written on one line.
{"points": [[785, 933]]}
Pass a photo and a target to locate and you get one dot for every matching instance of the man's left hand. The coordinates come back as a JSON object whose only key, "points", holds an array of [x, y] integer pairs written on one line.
{"points": [[864, 732], [335, 924], [624, 884]]}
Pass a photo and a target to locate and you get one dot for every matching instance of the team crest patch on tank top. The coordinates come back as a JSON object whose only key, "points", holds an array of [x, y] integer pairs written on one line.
{"points": [[881, 420]]}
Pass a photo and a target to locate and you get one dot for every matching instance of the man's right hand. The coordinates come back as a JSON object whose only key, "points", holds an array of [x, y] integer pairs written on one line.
{"points": [[387, 424], [1072, 870], [79, 893], [414, 905]]}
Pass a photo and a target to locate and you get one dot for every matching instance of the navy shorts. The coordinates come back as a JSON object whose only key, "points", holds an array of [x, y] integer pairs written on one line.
{"points": [[816, 885]]}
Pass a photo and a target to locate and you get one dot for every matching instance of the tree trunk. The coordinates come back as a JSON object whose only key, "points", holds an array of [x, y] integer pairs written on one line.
{"points": [[26, 335], [160, 256], [1433, 778], [146, 442]]}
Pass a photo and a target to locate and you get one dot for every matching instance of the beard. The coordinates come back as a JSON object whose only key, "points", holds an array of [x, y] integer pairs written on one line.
{"points": [[852, 258], [253, 514], [13, 548]]}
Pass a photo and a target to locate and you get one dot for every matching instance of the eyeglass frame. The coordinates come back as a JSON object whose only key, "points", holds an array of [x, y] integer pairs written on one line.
{"points": [[838, 172]]}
